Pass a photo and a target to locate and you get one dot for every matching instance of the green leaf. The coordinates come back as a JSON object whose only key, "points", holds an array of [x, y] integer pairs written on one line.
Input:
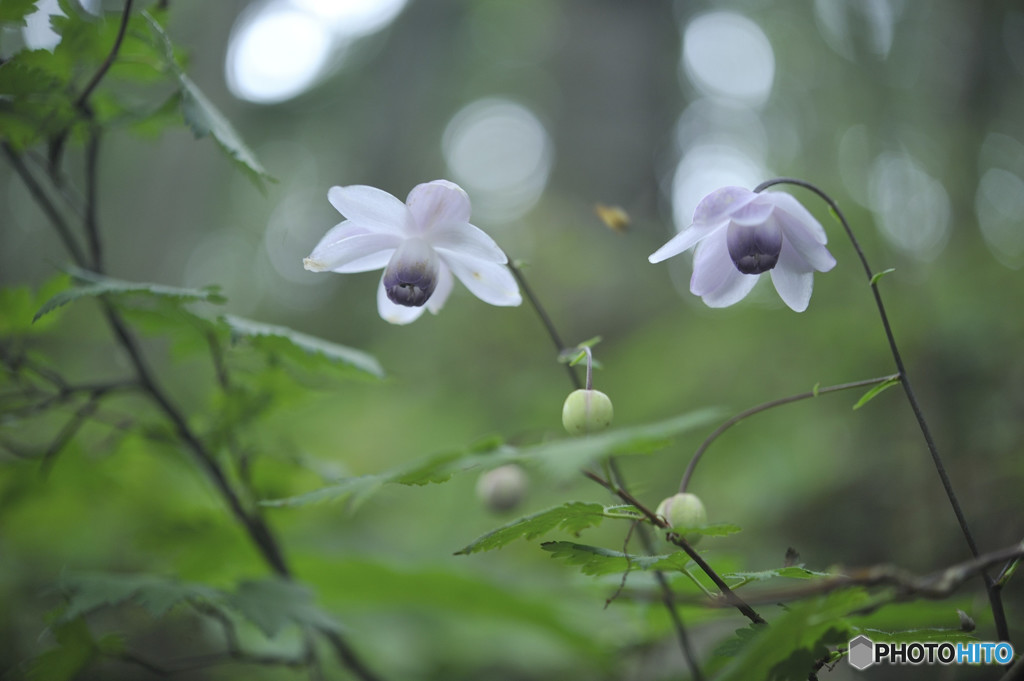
{"points": [[715, 530], [157, 595], [18, 305], [75, 652], [98, 285], [594, 560], [272, 604], [564, 458], [574, 517], [271, 338], [203, 118], [875, 391], [878, 275], [780, 650], [14, 11]]}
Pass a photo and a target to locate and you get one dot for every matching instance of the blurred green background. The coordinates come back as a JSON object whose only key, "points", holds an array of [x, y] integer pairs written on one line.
{"points": [[910, 113]]}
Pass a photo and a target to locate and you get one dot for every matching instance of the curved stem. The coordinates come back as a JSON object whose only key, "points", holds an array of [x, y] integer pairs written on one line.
{"points": [[765, 407], [993, 593], [549, 326], [83, 99]]}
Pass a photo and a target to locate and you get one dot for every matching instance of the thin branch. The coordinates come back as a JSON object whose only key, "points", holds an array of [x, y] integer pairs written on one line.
{"points": [[728, 594], [995, 599], [765, 407], [545, 319], [82, 102], [34, 188]]}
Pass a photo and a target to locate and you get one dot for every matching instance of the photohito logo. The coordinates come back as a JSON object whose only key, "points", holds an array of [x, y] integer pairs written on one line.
{"points": [[864, 652]]}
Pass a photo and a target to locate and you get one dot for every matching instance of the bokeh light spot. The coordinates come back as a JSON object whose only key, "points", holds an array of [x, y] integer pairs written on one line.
{"points": [[911, 207], [501, 153], [999, 205], [727, 55]]}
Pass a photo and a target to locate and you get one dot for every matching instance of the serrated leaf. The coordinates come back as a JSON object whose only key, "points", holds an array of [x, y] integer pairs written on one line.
{"points": [[574, 517], [88, 592], [101, 286], [75, 652], [15, 11], [715, 530], [272, 604], [878, 275], [875, 391], [281, 338], [19, 304], [595, 560], [773, 651]]}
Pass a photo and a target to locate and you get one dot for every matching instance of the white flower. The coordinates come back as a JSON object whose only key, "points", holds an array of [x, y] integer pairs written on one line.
{"points": [[739, 235], [421, 243]]}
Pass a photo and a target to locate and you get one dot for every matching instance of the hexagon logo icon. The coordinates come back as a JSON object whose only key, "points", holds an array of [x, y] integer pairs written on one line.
{"points": [[862, 652]]}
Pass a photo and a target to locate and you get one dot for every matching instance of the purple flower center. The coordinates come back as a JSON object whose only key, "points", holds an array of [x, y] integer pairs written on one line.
{"points": [[755, 248], [412, 273]]}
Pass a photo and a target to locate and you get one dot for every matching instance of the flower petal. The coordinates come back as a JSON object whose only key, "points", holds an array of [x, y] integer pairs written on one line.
{"points": [[721, 204], [490, 282], [715, 278], [793, 213], [468, 239], [685, 240], [437, 203], [360, 252], [793, 278], [445, 284], [396, 314], [372, 208], [805, 241]]}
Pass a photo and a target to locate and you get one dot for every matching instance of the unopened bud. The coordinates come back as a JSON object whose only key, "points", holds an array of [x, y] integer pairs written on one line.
{"points": [[502, 488], [586, 411], [684, 512]]}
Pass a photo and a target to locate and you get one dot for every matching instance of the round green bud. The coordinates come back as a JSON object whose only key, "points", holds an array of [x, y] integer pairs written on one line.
{"points": [[684, 512], [586, 411], [502, 488]]}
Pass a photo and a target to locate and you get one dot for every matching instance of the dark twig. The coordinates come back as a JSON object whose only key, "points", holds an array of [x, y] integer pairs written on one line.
{"points": [[82, 102], [728, 594], [765, 407], [995, 599], [549, 326]]}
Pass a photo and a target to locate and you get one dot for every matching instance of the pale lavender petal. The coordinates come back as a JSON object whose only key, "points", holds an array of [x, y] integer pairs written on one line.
{"points": [[792, 213], [721, 204], [685, 239], [437, 203], [396, 314], [754, 212], [715, 278], [805, 242], [793, 279], [466, 238], [488, 281], [372, 208], [358, 253], [445, 284]]}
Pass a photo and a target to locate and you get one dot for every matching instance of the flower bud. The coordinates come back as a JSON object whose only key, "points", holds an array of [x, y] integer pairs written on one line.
{"points": [[754, 248], [586, 411], [502, 488], [684, 512]]}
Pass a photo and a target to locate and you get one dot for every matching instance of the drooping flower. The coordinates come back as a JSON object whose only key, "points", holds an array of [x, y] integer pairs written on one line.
{"points": [[740, 235], [420, 244]]}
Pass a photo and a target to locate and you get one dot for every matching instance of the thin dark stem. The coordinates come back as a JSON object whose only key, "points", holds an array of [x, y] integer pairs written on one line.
{"points": [[83, 99], [34, 188], [765, 407], [995, 599], [668, 596], [549, 326], [92, 230]]}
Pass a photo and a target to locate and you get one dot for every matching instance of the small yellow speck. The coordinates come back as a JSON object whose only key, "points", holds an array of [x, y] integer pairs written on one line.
{"points": [[616, 218]]}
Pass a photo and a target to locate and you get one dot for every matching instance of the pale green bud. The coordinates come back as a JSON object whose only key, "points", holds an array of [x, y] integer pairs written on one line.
{"points": [[586, 411], [684, 511]]}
